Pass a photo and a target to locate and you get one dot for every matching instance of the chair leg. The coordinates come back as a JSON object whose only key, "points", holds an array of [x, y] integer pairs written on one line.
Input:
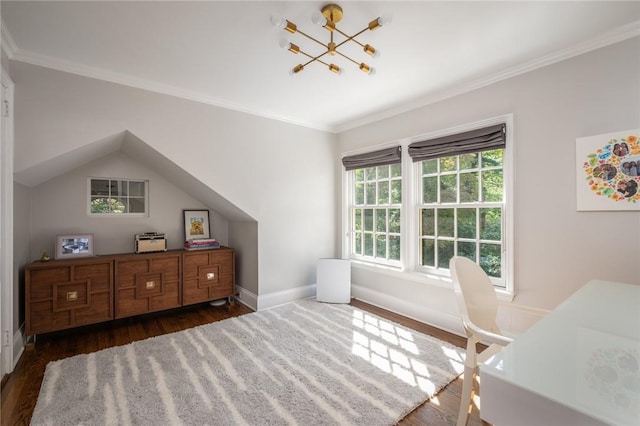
{"points": [[470, 367], [465, 396]]}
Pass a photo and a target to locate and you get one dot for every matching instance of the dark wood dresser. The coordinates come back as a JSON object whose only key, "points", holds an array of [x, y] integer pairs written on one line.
{"points": [[69, 293]]}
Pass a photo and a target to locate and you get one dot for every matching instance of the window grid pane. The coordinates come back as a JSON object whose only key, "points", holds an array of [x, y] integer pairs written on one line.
{"points": [[448, 188]]}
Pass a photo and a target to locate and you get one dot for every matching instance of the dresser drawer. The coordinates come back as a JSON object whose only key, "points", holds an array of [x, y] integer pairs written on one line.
{"points": [[147, 283], [65, 294], [207, 275]]}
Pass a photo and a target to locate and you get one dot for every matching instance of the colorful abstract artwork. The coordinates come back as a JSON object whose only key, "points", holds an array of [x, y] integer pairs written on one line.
{"points": [[608, 171]]}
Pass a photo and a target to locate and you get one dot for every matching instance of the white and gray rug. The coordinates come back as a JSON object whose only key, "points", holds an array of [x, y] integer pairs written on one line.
{"points": [[305, 363]]}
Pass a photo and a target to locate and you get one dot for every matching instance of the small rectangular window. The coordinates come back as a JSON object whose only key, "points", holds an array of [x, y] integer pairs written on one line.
{"points": [[118, 197]]}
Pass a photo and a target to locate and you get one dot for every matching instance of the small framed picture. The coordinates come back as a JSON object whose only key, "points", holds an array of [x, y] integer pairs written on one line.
{"points": [[74, 245], [196, 224]]}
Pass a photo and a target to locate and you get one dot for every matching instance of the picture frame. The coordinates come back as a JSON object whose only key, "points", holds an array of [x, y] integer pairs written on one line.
{"points": [[196, 224], [70, 246]]}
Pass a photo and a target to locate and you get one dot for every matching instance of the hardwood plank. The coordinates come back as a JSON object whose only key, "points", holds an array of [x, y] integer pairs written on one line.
{"points": [[21, 388]]}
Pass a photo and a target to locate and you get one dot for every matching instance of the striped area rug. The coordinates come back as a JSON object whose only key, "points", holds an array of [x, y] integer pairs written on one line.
{"points": [[305, 363]]}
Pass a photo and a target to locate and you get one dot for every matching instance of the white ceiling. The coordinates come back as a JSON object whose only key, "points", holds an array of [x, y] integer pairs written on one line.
{"points": [[227, 53]]}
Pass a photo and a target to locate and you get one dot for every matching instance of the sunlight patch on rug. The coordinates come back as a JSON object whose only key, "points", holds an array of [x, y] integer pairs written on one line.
{"points": [[299, 364]]}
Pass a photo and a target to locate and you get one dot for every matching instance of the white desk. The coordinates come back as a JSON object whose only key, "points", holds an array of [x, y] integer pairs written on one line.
{"points": [[579, 365]]}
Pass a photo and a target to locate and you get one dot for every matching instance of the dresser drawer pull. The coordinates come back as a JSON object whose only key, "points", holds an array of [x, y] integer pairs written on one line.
{"points": [[211, 275], [150, 284], [72, 295]]}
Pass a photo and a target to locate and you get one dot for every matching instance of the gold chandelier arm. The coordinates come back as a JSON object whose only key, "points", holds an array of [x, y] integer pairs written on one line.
{"points": [[350, 38], [314, 58], [346, 57]]}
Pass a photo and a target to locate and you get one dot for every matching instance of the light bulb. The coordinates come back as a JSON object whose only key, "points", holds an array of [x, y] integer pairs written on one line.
{"points": [[278, 22], [385, 19], [372, 72], [282, 23], [377, 23], [284, 43], [318, 19]]}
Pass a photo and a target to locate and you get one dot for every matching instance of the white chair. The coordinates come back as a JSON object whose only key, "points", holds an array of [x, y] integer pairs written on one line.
{"points": [[479, 306]]}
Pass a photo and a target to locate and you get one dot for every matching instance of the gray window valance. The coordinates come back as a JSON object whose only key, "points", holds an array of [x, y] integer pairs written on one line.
{"points": [[492, 137], [372, 159]]}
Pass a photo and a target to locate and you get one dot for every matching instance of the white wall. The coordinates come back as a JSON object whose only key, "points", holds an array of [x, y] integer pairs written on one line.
{"points": [[281, 175], [555, 246]]}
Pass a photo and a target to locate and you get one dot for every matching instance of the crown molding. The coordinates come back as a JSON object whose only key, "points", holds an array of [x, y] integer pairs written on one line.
{"points": [[620, 34], [7, 42]]}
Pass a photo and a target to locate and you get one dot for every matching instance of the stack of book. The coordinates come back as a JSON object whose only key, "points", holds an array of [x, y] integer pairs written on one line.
{"points": [[201, 244]]}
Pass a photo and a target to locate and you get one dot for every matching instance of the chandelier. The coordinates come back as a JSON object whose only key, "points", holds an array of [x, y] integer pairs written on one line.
{"points": [[328, 17]]}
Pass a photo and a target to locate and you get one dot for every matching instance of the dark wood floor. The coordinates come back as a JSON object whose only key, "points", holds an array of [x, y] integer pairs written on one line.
{"points": [[20, 389]]}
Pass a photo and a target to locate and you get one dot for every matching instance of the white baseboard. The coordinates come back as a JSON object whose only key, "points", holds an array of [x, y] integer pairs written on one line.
{"points": [[271, 300], [19, 341], [246, 297], [442, 320], [278, 298], [513, 320]]}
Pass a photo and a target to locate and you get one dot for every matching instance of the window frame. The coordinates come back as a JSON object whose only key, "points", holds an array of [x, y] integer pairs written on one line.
{"points": [[409, 266], [124, 214], [350, 213], [456, 206]]}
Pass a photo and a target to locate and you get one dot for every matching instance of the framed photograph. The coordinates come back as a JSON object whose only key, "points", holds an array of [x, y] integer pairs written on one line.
{"points": [[74, 245], [608, 172], [196, 224]]}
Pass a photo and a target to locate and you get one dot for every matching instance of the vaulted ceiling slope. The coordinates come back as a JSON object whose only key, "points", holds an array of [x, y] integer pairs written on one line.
{"points": [[135, 148], [227, 53]]}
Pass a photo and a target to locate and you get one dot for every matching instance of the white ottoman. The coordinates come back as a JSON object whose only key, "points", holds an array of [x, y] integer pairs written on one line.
{"points": [[333, 281]]}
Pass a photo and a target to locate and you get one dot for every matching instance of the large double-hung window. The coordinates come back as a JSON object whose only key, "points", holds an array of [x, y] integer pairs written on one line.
{"points": [[453, 200], [375, 205], [461, 202]]}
